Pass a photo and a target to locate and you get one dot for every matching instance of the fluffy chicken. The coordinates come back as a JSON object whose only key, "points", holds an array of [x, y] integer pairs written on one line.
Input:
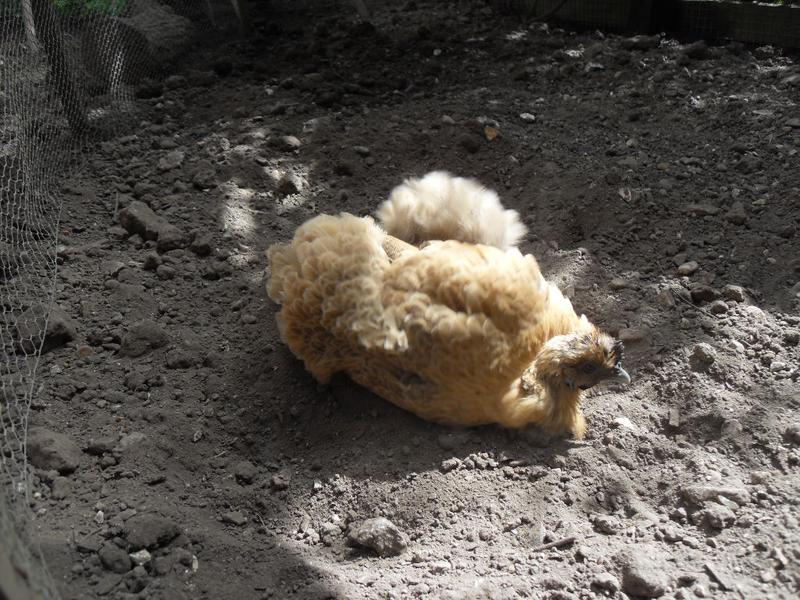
{"points": [[462, 329]]}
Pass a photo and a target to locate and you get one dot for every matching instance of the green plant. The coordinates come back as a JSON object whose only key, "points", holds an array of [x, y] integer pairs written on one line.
{"points": [[87, 7]]}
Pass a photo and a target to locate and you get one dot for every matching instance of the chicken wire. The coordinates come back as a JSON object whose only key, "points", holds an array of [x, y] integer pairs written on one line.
{"points": [[71, 71]]}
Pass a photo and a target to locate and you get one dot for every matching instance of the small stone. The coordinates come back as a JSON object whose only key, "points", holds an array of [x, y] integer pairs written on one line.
{"points": [[450, 464], [172, 160], [361, 150], [39, 327], [280, 481], [288, 143], [734, 292], [632, 335], [731, 428], [138, 218], [142, 557], [142, 337], [607, 524], [791, 337], [696, 50], [245, 472], [151, 261], [344, 168], [736, 214], [643, 571], [688, 268], [114, 558], [527, 117], [792, 433], [718, 307], [149, 531], [618, 283], [378, 534], [201, 244], [234, 517], [60, 488], [701, 210], [718, 516], [606, 582], [704, 354], [470, 143], [623, 423], [701, 292], [52, 451], [700, 494]]}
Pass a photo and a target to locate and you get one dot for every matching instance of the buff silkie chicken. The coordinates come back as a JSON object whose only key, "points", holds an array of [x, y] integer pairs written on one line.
{"points": [[462, 329]]}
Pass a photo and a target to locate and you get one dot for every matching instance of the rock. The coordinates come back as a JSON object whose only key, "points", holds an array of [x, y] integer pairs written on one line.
{"points": [[107, 583], [606, 582], [704, 354], [643, 571], [234, 517], [172, 160], [641, 42], [527, 117], [361, 150], [114, 558], [470, 143], [60, 488], [201, 244], [718, 516], [792, 433], [36, 327], [623, 423], [734, 292], [718, 307], [736, 214], [287, 143], [280, 481], [142, 337], [245, 472], [618, 283], [696, 50], [701, 210], [701, 292], [731, 428], [450, 464], [129, 440], [700, 494], [688, 268], [607, 524], [632, 335], [138, 218], [149, 531], [791, 337], [378, 534], [52, 451], [141, 557]]}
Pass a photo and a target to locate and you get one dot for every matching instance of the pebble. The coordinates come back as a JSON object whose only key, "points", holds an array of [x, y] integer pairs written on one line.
{"points": [[736, 214], [718, 307], [527, 117], [52, 451], [704, 354], [378, 534], [234, 517], [607, 582], [149, 531], [60, 488], [734, 292], [792, 337], [607, 524], [688, 268], [171, 160], [37, 326], [245, 472], [138, 218], [280, 481], [142, 337], [718, 516], [450, 464], [632, 335], [700, 494], [114, 558], [643, 573], [792, 433], [618, 283]]}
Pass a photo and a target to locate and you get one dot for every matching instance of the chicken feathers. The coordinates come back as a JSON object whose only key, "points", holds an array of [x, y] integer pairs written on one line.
{"points": [[455, 332]]}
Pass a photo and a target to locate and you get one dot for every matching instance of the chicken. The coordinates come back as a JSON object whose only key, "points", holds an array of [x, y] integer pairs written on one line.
{"points": [[463, 330]]}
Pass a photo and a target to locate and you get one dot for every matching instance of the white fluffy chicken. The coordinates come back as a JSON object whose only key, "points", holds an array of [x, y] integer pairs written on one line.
{"points": [[438, 312]]}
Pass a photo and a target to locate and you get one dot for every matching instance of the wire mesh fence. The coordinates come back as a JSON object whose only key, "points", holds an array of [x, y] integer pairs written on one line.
{"points": [[71, 71]]}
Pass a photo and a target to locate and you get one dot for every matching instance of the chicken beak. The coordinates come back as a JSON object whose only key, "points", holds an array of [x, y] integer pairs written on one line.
{"points": [[620, 375]]}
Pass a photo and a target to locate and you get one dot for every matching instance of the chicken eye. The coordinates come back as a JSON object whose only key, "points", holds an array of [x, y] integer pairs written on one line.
{"points": [[588, 368]]}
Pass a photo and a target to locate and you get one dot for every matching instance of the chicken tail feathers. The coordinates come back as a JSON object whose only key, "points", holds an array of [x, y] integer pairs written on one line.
{"points": [[440, 206]]}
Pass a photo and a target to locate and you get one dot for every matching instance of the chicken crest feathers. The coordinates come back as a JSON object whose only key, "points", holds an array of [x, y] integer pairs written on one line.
{"points": [[440, 206]]}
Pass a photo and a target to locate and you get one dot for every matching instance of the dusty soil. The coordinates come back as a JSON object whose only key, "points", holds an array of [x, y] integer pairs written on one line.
{"points": [[661, 187]]}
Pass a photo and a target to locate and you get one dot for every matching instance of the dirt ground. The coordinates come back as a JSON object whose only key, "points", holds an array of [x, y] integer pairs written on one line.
{"points": [[661, 187]]}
